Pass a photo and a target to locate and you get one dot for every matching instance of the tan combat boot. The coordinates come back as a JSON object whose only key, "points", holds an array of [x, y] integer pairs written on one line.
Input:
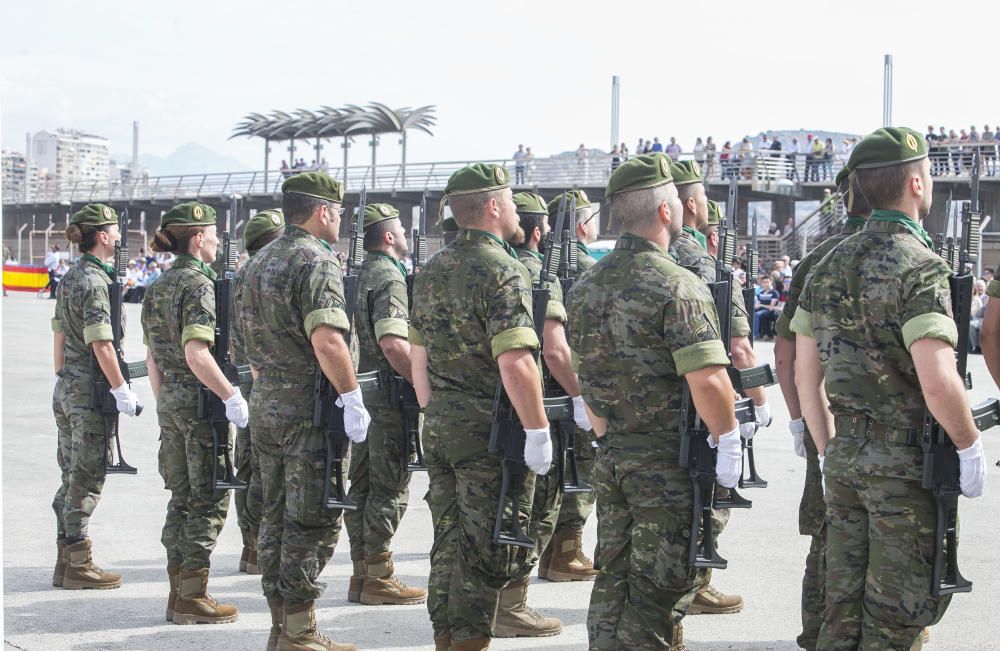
{"points": [[81, 572], [443, 642], [568, 562], [253, 567], [298, 631], [60, 571], [544, 560], [195, 606], [357, 578], [173, 572], [710, 601], [477, 644], [276, 606], [381, 587], [678, 643], [516, 619], [245, 554]]}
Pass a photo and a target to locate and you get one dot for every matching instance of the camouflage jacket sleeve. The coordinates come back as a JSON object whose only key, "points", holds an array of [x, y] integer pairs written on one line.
{"points": [[926, 304], [321, 296], [390, 309], [993, 289], [802, 322], [691, 326], [739, 324], [555, 310], [509, 324], [198, 314], [96, 313]]}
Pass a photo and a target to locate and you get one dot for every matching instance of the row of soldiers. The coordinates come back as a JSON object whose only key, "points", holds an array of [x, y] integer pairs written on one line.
{"points": [[638, 329]]}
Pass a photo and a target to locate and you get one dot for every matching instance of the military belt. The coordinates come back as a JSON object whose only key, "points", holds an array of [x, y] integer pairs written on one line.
{"points": [[859, 426], [179, 377], [558, 409]]}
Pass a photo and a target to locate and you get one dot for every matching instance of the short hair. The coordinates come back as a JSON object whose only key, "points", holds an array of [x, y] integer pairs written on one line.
{"points": [[467, 209], [638, 207], [884, 186], [856, 202], [529, 222], [583, 216], [263, 240], [375, 233], [686, 191], [298, 208]]}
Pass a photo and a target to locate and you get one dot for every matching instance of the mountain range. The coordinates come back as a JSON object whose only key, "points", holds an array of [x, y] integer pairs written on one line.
{"points": [[190, 158]]}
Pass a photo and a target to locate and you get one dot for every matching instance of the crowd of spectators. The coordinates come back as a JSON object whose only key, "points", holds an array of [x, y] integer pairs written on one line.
{"points": [[953, 153], [300, 165]]}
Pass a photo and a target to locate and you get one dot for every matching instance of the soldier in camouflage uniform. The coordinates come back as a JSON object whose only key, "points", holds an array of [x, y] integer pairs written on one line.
{"points": [[641, 326], [178, 324], [81, 327], [563, 559], [292, 305], [812, 509], [472, 323], [989, 337], [879, 306], [380, 483], [261, 229]]}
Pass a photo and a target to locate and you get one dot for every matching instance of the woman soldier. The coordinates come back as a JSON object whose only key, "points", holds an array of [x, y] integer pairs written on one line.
{"points": [[82, 324], [178, 322]]}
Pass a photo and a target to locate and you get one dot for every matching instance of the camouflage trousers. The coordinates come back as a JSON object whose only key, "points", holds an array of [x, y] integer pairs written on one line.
{"points": [[467, 569], [644, 586], [249, 502], [577, 507], [546, 506], [80, 452], [880, 547], [380, 483], [812, 522], [297, 531], [196, 512]]}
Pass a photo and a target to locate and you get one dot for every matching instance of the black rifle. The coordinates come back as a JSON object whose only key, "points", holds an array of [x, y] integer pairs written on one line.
{"points": [[326, 414], [941, 462], [210, 407], [753, 480], [402, 392], [100, 389], [695, 454]]}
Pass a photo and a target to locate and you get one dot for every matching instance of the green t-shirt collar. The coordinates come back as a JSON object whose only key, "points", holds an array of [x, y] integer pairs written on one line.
{"points": [[583, 248], [698, 237], [535, 254], [474, 232], [896, 217], [854, 224], [185, 260], [381, 254], [292, 228], [105, 267]]}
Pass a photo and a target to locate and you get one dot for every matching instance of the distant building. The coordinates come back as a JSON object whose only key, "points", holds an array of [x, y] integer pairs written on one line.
{"points": [[69, 157], [20, 178]]}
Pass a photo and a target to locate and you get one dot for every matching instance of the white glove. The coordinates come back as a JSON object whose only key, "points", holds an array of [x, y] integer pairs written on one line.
{"points": [[972, 471], [762, 418], [580, 414], [538, 450], [237, 409], [798, 429], [356, 418], [822, 475], [729, 461], [126, 400]]}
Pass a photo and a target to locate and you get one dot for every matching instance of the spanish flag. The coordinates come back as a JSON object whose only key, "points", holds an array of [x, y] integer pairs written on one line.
{"points": [[25, 278]]}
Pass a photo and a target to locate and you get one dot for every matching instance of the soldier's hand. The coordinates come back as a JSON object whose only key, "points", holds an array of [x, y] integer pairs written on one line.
{"points": [[972, 471], [729, 460], [798, 429], [580, 414], [538, 450], [126, 400], [356, 418], [237, 410]]}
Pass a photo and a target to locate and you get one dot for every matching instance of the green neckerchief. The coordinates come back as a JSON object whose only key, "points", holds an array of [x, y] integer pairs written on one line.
{"points": [[854, 224], [475, 232], [698, 237], [293, 228], [107, 268], [896, 217], [381, 254], [533, 253], [185, 260], [583, 247]]}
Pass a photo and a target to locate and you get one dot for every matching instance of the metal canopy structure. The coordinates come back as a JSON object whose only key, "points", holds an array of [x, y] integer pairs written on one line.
{"points": [[327, 122]]}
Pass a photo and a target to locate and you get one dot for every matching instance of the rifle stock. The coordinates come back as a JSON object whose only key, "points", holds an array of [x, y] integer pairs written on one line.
{"points": [[751, 478], [403, 393]]}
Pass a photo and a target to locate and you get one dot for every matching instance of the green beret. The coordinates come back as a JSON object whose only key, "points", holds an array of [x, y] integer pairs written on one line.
{"points": [[315, 184], [94, 214], [888, 146], [686, 172], [479, 177], [714, 213], [379, 212], [640, 173], [582, 201], [190, 213], [262, 223], [529, 203], [449, 225]]}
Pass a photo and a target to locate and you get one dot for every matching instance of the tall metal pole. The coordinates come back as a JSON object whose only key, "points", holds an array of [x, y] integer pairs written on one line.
{"points": [[267, 152], [887, 92], [615, 114]]}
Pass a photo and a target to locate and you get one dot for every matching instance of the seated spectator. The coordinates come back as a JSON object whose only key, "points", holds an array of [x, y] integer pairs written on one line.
{"points": [[133, 279], [766, 309], [978, 313]]}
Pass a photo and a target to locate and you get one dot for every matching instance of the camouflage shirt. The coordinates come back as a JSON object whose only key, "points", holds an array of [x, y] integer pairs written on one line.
{"points": [[382, 309], [640, 322], [471, 303], [866, 303], [584, 260], [288, 289], [532, 261], [851, 226], [83, 309], [692, 256], [179, 307]]}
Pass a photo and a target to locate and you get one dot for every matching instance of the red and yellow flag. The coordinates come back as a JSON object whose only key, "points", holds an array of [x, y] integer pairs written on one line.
{"points": [[25, 278]]}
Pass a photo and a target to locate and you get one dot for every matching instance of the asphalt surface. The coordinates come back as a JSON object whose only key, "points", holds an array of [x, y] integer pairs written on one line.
{"points": [[765, 551]]}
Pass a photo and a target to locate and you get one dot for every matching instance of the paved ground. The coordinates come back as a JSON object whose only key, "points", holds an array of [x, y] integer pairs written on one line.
{"points": [[763, 546]]}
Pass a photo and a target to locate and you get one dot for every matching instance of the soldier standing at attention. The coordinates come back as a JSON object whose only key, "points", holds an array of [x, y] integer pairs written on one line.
{"points": [[641, 326], [563, 559], [261, 229], [81, 325], [472, 324], [812, 509], [178, 324], [380, 483], [879, 306], [294, 290]]}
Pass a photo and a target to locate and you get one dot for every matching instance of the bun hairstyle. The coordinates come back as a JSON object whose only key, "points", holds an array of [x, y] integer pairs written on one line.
{"points": [[174, 239], [74, 234], [83, 235], [163, 241]]}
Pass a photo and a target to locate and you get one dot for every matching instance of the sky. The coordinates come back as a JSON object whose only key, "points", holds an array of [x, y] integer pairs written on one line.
{"points": [[500, 73]]}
